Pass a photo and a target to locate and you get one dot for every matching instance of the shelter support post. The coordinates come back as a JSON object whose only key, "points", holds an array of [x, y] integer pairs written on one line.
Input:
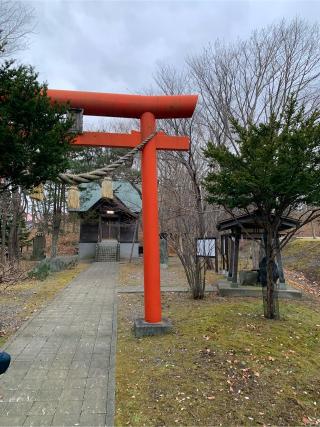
{"points": [[216, 258], [235, 261], [151, 252], [222, 246], [230, 269], [226, 251]]}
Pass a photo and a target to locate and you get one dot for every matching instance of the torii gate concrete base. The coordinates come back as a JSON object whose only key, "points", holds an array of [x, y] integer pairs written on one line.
{"points": [[147, 109], [146, 329]]}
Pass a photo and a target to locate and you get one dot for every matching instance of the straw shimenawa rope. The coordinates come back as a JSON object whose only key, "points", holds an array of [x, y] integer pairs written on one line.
{"points": [[99, 174]]}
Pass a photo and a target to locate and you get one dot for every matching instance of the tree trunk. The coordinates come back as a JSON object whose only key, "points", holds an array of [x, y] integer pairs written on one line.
{"points": [[199, 279], [3, 234], [270, 294], [33, 213], [200, 212], [56, 217], [313, 230], [56, 222], [13, 239], [39, 246]]}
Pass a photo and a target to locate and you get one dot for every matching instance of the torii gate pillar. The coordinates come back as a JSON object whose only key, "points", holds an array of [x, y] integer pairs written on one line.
{"points": [[147, 109], [151, 250]]}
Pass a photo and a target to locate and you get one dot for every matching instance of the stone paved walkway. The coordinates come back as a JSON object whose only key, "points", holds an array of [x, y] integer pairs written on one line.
{"points": [[63, 359], [136, 289]]}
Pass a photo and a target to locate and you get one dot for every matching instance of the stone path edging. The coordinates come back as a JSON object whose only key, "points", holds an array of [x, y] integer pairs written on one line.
{"points": [[137, 289]]}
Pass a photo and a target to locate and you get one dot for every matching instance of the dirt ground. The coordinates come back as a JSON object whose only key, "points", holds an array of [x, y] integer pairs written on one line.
{"points": [[302, 258]]}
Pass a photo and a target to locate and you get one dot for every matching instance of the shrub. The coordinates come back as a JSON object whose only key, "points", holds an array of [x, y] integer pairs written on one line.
{"points": [[53, 265]]}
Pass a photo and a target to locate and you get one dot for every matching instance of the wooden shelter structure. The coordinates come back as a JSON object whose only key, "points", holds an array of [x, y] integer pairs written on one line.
{"points": [[248, 226]]}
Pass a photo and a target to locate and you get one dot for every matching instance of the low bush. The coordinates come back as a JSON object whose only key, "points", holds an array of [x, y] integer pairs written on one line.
{"points": [[52, 265]]}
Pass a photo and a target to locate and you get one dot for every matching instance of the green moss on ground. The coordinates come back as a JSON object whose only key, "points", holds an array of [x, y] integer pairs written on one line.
{"points": [[303, 255], [224, 364]]}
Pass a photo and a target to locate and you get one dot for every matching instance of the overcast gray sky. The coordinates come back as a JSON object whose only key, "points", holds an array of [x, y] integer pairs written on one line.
{"points": [[114, 46]]}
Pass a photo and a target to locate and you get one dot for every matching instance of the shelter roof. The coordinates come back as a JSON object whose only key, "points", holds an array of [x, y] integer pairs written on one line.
{"points": [[90, 195], [253, 223]]}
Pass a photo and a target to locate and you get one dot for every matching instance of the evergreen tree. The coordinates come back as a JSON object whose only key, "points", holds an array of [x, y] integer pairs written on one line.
{"points": [[276, 171], [34, 133]]}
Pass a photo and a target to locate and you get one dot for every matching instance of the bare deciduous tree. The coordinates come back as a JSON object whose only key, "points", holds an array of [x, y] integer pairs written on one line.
{"points": [[184, 212], [249, 80], [16, 22], [254, 78], [179, 220]]}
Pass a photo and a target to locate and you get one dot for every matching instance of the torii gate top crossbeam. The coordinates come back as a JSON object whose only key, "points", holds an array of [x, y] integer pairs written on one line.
{"points": [[128, 106]]}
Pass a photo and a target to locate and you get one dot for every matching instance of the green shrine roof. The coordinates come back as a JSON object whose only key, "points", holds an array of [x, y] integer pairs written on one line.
{"points": [[90, 194]]}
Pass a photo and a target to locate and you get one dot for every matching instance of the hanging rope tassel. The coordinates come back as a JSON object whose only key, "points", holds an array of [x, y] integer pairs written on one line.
{"points": [[37, 193], [74, 197], [106, 188], [98, 174]]}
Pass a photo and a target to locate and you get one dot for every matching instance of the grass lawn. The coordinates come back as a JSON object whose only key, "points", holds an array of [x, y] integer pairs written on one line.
{"points": [[223, 364], [19, 302]]}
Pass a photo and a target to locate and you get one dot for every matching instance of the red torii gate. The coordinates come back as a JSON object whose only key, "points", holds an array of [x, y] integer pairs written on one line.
{"points": [[147, 109]]}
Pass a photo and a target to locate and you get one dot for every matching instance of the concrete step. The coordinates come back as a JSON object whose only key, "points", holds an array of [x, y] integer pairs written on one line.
{"points": [[108, 251]]}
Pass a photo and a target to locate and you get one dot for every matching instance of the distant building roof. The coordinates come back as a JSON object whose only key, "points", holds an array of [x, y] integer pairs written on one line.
{"points": [[90, 194]]}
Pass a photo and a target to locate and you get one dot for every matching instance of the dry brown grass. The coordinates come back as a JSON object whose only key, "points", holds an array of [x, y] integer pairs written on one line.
{"points": [[22, 300]]}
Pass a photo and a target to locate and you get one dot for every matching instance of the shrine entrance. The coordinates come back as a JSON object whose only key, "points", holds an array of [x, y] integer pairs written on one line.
{"points": [[110, 229], [147, 109]]}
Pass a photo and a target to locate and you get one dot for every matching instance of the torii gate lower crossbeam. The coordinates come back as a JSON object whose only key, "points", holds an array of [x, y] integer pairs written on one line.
{"points": [[147, 109]]}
